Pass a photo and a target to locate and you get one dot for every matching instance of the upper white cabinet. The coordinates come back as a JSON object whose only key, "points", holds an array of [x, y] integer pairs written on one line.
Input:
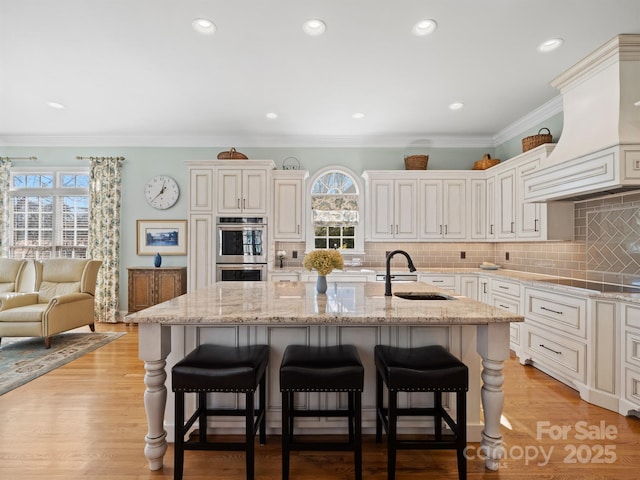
{"points": [[479, 209], [443, 209], [392, 207], [517, 219], [243, 190], [289, 205]]}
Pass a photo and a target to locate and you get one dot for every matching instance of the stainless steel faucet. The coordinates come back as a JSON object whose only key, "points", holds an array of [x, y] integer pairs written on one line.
{"points": [[387, 278]]}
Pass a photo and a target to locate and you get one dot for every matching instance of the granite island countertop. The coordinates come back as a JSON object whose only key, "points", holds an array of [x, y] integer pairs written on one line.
{"points": [[297, 303]]}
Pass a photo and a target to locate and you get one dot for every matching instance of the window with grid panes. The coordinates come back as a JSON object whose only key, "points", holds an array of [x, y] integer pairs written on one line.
{"points": [[49, 213], [335, 210]]}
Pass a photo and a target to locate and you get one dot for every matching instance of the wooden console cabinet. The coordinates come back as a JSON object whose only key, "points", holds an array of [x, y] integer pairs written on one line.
{"points": [[149, 286]]}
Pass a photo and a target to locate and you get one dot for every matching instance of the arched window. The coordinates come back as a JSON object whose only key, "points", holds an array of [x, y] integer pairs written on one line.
{"points": [[335, 211]]}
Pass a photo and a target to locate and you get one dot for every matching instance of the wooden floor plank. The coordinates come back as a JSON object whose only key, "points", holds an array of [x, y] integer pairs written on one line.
{"points": [[87, 420]]}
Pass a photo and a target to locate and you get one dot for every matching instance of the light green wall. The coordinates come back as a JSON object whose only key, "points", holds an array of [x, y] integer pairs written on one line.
{"points": [[144, 162], [513, 147]]}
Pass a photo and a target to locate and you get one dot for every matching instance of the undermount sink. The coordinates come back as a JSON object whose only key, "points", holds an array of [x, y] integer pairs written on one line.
{"points": [[423, 296]]}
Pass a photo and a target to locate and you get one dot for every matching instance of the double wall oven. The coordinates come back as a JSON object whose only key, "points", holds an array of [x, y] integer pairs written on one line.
{"points": [[241, 249]]}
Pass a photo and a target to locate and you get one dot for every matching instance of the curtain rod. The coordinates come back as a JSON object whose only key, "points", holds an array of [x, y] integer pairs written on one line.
{"points": [[99, 158], [18, 158]]}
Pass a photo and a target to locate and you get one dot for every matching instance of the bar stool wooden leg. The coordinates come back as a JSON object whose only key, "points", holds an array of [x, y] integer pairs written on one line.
{"points": [[379, 407], [287, 423], [358, 434], [263, 410], [461, 421]]}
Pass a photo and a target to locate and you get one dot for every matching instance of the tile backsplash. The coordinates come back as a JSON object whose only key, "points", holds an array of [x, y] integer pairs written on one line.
{"points": [[606, 247]]}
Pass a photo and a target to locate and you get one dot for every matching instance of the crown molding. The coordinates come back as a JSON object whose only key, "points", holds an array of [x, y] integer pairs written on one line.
{"points": [[530, 120], [252, 141]]}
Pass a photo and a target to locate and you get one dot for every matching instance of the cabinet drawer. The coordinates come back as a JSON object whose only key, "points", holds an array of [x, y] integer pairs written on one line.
{"points": [[558, 312], [632, 385], [509, 304], [505, 288], [632, 316], [443, 281], [284, 277], [561, 354], [632, 348]]}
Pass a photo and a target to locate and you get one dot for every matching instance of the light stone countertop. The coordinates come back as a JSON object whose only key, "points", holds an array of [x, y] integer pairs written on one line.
{"points": [[297, 303]]}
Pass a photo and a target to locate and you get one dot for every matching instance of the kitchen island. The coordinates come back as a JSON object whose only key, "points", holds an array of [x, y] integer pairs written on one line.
{"points": [[282, 313]]}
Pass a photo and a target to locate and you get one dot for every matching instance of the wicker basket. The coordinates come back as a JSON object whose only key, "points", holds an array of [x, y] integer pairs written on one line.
{"points": [[485, 163], [536, 140], [416, 162], [232, 155]]}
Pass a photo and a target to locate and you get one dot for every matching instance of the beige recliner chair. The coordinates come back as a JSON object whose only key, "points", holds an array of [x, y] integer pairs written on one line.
{"points": [[64, 300]]}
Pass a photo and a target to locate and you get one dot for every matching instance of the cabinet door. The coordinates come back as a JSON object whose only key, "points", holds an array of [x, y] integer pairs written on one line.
{"points": [[454, 213], [229, 190], [469, 286], [167, 285], [529, 214], [201, 251], [491, 207], [505, 204], [201, 189], [141, 289], [288, 209], [478, 207], [405, 211], [381, 204], [431, 209], [254, 191]]}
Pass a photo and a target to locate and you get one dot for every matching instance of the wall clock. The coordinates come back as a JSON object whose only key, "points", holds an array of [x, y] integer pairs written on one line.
{"points": [[161, 192]]}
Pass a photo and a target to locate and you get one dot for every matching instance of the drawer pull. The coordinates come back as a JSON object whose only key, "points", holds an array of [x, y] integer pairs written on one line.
{"points": [[552, 311], [506, 307], [437, 281], [550, 349], [503, 287]]}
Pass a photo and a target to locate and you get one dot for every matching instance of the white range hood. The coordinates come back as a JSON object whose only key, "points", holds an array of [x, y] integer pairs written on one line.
{"points": [[599, 149]]}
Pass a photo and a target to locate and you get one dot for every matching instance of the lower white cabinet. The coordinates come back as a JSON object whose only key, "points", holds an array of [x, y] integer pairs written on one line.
{"points": [[630, 360], [444, 281], [468, 286]]}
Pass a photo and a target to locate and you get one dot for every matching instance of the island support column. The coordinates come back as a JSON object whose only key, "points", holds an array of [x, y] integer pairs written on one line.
{"points": [[493, 347], [154, 344]]}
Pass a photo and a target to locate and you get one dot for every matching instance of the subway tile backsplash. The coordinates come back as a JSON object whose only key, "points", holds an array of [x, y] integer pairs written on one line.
{"points": [[606, 247]]}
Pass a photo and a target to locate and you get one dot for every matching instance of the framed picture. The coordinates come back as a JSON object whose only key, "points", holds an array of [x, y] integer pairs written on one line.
{"points": [[166, 237]]}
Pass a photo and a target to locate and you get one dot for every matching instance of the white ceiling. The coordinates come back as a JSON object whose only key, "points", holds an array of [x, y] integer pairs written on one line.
{"points": [[135, 72]]}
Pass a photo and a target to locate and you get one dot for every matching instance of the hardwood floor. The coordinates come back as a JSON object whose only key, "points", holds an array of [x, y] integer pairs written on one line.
{"points": [[87, 420]]}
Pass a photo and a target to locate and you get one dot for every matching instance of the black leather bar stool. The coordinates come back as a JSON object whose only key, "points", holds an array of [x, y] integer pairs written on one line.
{"points": [[322, 369], [421, 369], [215, 368]]}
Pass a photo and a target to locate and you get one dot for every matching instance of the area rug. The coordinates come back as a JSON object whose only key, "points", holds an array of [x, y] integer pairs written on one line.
{"points": [[23, 359]]}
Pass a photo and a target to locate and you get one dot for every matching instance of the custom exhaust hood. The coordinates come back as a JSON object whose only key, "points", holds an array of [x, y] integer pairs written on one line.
{"points": [[599, 149]]}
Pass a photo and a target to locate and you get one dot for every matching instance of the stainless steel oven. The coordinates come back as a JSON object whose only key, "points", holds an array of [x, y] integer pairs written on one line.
{"points": [[241, 240], [241, 273]]}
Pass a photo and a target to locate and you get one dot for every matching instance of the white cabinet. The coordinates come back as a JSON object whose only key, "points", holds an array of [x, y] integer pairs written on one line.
{"points": [[468, 286], [556, 339], [516, 219], [243, 190], [506, 204], [491, 208], [630, 360], [442, 209], [444, 281], [284, 276], [507, 295], [479, 209], [289, 202], [392, 208]]}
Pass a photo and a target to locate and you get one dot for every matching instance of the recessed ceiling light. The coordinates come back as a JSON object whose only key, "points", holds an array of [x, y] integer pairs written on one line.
{"points": [[56, 105], [456, 105], [271, 115], [358, 115], [424, 27], [204, 26], [314, 27], [637, 104], [550, 45]]}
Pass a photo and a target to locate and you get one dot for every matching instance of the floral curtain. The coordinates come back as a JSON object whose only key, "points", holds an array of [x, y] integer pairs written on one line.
{"points": [[335, 210], [104, 233], [5, 166]]}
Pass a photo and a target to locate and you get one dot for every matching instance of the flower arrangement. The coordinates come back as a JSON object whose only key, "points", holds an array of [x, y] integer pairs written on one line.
{"points": [[324, 261], [282, 255]]}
